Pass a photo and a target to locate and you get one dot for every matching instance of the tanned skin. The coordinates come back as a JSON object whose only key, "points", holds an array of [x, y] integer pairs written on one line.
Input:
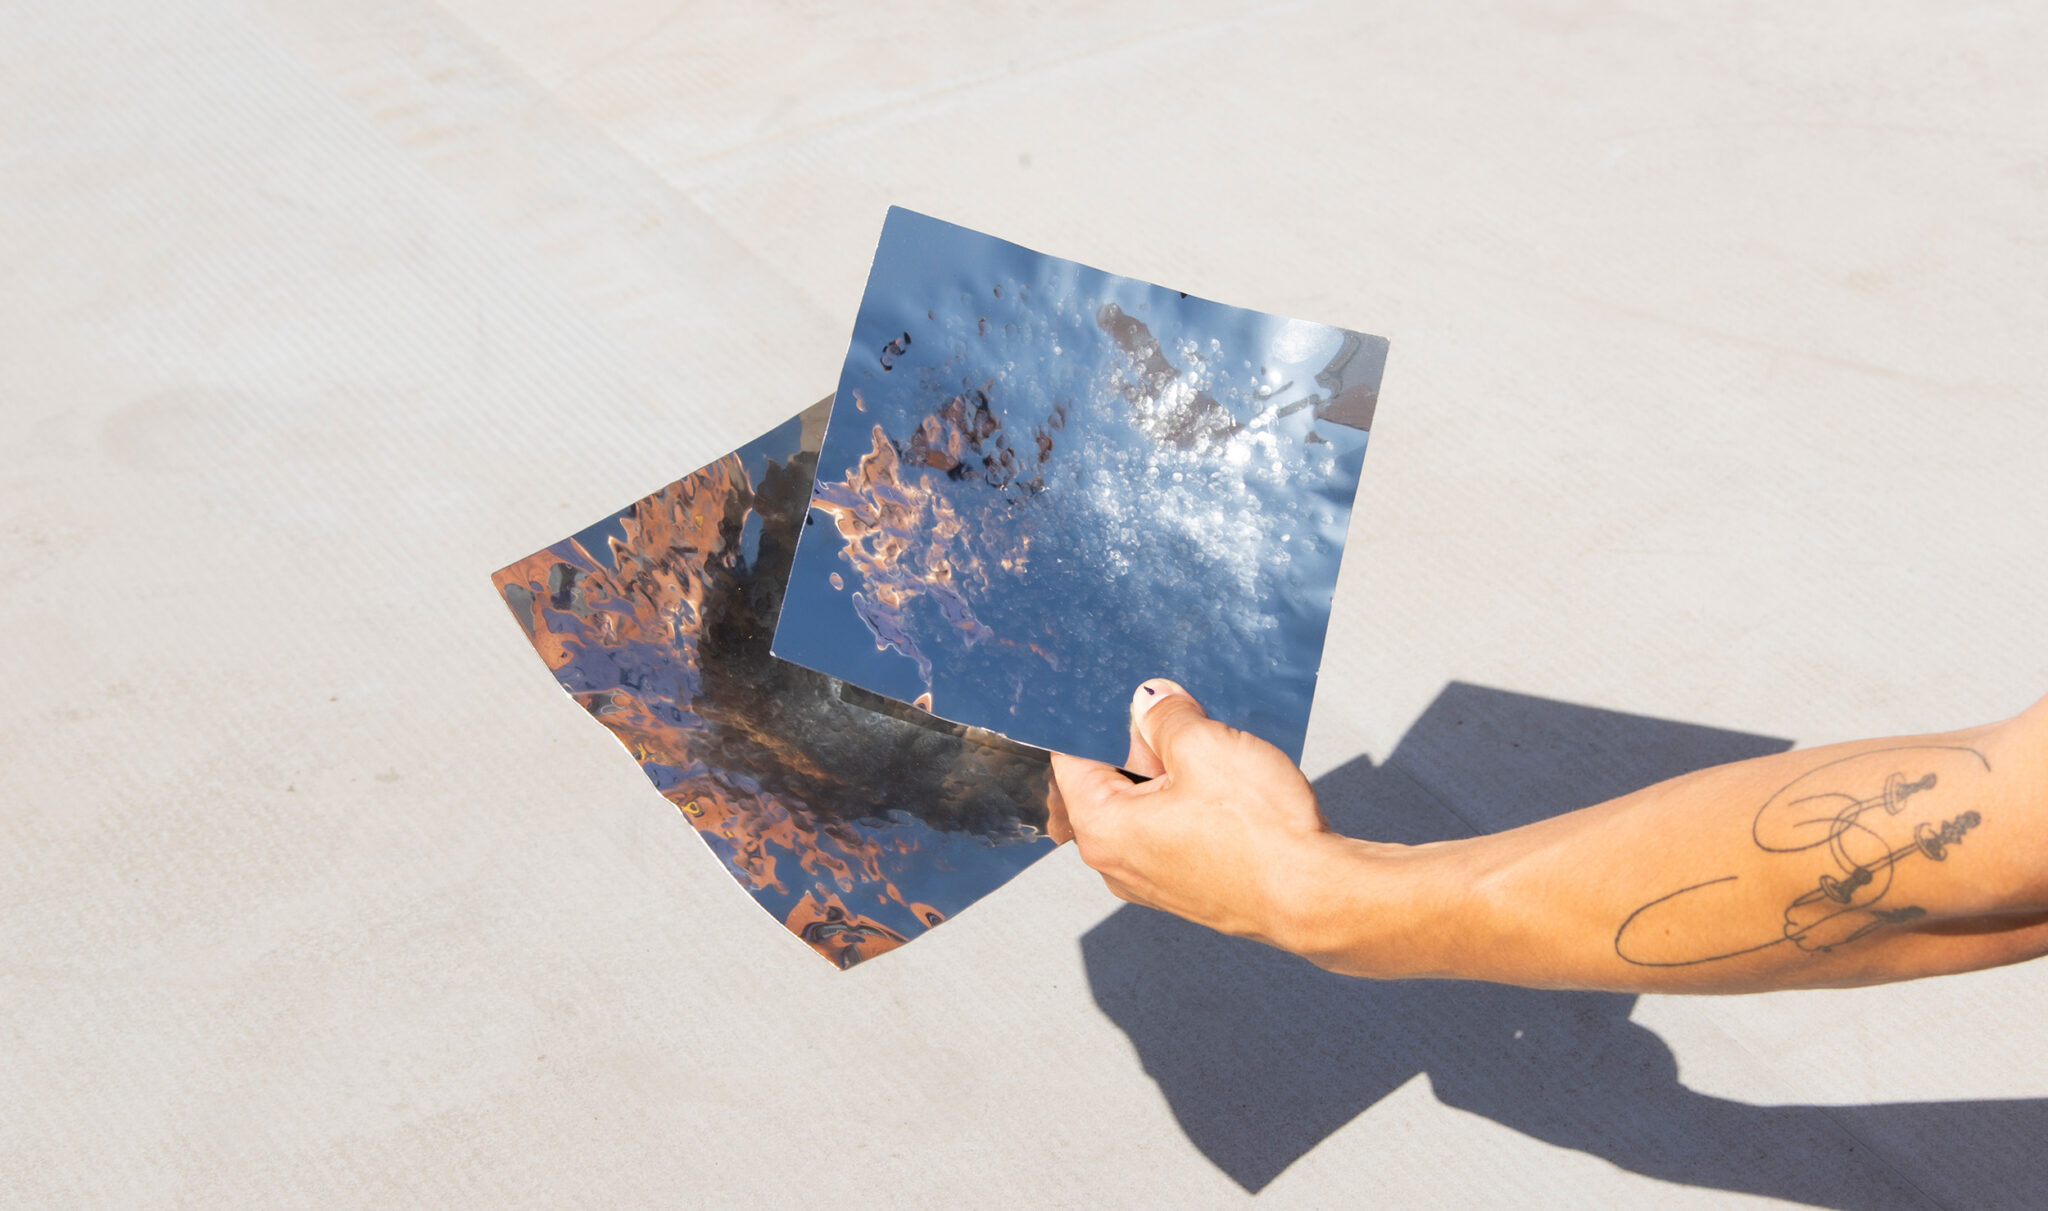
{"points": [[1858, 863]]}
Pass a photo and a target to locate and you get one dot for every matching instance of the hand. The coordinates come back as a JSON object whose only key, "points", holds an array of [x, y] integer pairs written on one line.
{"points": [[1221, 833]]}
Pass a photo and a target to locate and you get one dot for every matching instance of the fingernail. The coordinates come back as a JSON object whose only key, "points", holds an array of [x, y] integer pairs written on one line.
{"points": [[1148, 693]]}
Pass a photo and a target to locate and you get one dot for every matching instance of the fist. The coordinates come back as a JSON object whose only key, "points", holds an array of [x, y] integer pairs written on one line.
{"points": [[1219, 833]]}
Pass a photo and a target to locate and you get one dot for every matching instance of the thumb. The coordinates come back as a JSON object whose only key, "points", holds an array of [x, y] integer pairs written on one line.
{"points": [[1167, 720]]}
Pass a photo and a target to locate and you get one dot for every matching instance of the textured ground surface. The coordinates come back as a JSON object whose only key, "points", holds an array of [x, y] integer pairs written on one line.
{"points": [[1714, 422]]}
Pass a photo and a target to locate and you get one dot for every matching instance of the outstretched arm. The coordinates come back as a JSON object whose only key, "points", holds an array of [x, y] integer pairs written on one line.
{"points": [[1858, 863]]}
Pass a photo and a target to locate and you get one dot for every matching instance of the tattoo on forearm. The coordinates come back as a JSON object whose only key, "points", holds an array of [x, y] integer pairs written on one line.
{"points": [[1853, 821]]}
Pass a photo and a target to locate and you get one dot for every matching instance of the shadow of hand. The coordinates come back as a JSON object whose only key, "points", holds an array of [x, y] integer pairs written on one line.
{"points": [[1261, 1055]]}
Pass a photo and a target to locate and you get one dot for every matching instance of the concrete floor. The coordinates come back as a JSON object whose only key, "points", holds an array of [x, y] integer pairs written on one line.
{"points": [[1714, 422]]}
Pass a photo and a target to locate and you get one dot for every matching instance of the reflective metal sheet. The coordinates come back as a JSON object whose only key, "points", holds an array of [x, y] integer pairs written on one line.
{"points": [[1043, 484], [857, 823]]}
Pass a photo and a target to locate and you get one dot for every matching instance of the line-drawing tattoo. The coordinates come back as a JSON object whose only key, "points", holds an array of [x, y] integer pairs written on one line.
{"points": [[1845, 812]]}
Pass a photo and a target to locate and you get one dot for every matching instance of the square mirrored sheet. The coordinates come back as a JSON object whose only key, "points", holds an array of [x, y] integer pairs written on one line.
{"points": [[1043, 484], [857, 822]]}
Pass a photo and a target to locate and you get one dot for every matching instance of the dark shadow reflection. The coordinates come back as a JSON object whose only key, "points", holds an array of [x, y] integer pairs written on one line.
{"points": [[1262, 1056]]}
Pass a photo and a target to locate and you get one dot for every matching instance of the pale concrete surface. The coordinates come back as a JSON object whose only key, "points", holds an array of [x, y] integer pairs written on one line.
{"points": [[1715, 408]]}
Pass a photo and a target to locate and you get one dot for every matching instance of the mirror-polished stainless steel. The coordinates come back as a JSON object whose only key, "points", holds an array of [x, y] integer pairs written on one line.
{"points": [[1043, 484], [857, 824]]}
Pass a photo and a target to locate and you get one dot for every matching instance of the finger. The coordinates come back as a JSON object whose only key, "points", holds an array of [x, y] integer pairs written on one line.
{"points": [[1167, 720], [1084, 787], [1056, 825], [1125, 892], [1143, 761]]}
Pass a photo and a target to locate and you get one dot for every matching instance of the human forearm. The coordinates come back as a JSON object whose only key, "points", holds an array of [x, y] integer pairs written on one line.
{"points": [[1737, 878]]}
